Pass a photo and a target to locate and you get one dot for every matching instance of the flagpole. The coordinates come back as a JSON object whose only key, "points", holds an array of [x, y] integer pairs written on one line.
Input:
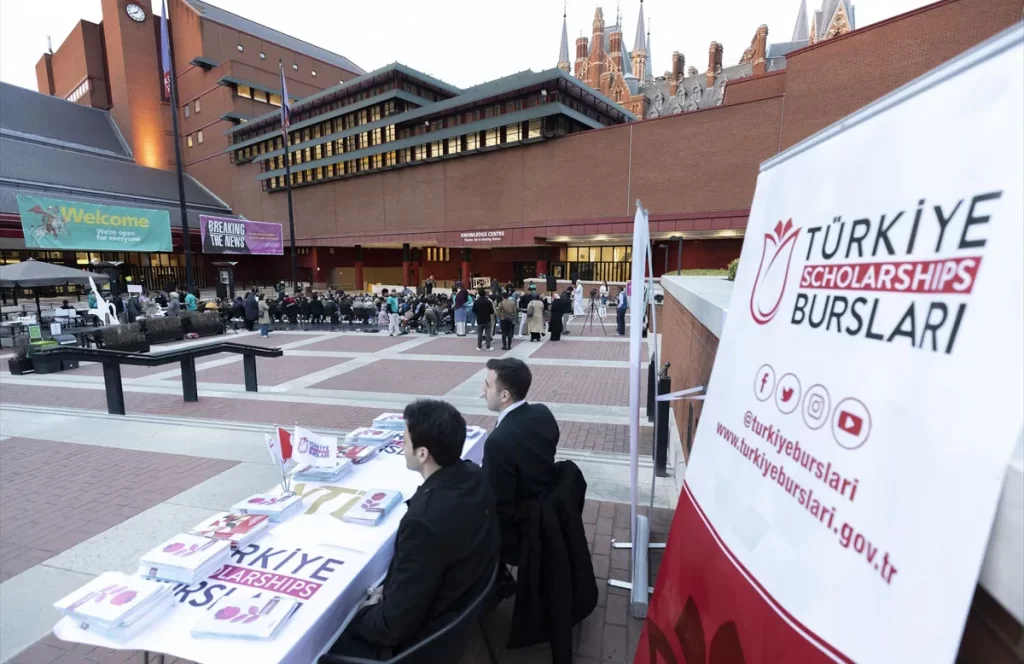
{"points": [[183, 207], [288, 180]]}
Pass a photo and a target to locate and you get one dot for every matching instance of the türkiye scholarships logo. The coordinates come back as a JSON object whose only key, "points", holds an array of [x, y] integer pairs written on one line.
{"points": [[902, 276]]}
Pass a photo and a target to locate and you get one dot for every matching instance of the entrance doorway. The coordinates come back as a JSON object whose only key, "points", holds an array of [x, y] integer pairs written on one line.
{"points": [[524, 271]]}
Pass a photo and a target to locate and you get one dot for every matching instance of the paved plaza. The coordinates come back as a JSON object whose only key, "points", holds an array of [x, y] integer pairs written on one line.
{"points": [[82, 492]]}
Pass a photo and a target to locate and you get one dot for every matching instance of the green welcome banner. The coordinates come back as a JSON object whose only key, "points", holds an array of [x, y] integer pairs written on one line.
{"points": [[51, 223]]}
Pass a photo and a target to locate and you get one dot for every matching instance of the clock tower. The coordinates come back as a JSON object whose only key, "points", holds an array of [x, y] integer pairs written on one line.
{"points": [[132, 38]]}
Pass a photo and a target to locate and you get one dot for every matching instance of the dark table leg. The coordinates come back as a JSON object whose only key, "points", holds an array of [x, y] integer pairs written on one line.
{"points": [[189, 388], [112, 383]]}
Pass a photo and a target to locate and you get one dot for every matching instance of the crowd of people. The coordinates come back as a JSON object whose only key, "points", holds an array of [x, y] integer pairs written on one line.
{"points": [[502, 311]]}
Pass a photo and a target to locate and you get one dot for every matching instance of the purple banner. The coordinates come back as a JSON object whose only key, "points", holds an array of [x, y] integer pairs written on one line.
{"points": [[222, 235]]}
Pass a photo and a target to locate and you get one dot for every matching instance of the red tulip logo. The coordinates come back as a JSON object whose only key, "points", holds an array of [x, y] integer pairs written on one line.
{"points": [[773, 272]]}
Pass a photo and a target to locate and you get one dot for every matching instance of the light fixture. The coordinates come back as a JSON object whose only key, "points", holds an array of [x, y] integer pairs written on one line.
{"points": [[544, 92]]}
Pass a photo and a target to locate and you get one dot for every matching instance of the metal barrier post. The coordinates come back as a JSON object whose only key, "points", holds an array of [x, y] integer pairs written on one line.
{"points": [[651, 370], [189, 388], [661, 444], [114, 390], [249, 361]]}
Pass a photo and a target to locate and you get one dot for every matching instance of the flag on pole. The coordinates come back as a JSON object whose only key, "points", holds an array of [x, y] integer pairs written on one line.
{"points": [[286, 109], [284, 443], [165, 52]]}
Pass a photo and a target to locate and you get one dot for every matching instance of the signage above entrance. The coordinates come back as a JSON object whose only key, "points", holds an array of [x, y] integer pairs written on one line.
{"points": [[52, 223], [482, 236], [223, 235]]}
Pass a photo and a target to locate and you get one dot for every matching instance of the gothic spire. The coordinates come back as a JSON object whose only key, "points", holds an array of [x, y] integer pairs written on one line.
{"points": [[800, 30], [563, 49], [639, 42], [649, 65]]}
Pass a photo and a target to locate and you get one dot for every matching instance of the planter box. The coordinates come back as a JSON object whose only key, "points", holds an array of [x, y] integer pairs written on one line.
{"points": [[161, 337], [20, 366], [46, 364]]}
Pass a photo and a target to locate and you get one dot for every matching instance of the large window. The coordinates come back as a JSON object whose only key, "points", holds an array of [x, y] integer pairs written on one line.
{"points": [[534, 130], [512, 133], [472, 141], [492, 137], [79, 92]]}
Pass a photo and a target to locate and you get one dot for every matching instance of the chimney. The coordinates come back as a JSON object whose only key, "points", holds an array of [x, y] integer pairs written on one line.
{"points": [[615, 48], [714, 62], [44, 74], [678, 66], [760, 46]]}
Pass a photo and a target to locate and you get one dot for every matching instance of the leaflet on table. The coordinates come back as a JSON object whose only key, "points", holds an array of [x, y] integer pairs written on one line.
{"points": [[473, 432], [278, 507], [373, 508], [369, 436], [391, 421], [125, 631], [239, 529], [185, 558], [258, 616], [358, 453], [113, 598], [309, 473]]}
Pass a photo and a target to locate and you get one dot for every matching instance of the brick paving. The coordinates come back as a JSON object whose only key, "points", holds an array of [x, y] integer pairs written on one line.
{"points": [[603, 438], [269, 371], [127, 370], [583, 385], [612, 351], [453, 345], [79, 492], [406, 377], [354, 343], [273, 341], [609, 634]]}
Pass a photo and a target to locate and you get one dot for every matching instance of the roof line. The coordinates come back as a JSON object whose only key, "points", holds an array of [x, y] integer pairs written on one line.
{"points": [[303, 41], [77, 147], [106, 194]]}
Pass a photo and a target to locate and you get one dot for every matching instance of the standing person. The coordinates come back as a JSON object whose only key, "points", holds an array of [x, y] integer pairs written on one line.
{"points": [[252, 311], [519, 457], [620, 312], [507, 319], [391, 303], [521, 304], [428, 286], [264, 312], [173, 305], [577, 300], [441, 564], [483, 311], [92, 299], [559, 309], [191, 301], [604, 292], [459, 309], [431, 317], [133, 308], [495, 287], [535, 316], [470, 316]]}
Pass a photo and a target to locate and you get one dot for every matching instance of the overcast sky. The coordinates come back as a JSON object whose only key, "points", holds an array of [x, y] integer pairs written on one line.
{"points": [[463, 42]]}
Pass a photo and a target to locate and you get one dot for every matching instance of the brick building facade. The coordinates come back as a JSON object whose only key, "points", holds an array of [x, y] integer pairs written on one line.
{"points": [[535, 201]]}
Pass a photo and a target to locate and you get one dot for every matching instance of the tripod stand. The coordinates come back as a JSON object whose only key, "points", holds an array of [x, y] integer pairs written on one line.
{"points": [[591, 314]]}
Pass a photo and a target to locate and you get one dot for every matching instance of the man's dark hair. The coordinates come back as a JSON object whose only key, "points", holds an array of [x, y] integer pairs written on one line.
{"points": [[513, 375], [437, 426]]}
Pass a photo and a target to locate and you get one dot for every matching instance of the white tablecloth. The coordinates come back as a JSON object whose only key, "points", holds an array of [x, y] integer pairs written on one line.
{"points": [[322, 560]]}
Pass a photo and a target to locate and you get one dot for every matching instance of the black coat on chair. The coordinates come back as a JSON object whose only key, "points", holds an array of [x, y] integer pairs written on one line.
{"points": [[556, 588]]}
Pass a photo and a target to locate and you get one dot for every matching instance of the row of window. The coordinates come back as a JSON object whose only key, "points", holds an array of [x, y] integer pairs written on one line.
{"points": [[325, 128], [437, 254], [432, 150], [80, 91], [194, 139], [256, 94], [195, 104], [599, 254]]}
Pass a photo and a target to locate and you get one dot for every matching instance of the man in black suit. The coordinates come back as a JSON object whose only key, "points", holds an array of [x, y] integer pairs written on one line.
{"points": [[447, 543], [519, 455]]}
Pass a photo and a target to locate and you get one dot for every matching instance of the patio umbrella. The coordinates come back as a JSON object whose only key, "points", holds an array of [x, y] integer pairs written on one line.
{"points": [[32, 273]]}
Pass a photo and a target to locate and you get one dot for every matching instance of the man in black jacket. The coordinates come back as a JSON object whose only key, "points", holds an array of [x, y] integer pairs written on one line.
{"points": [[483, 309], [441, 564], [519, 457]]}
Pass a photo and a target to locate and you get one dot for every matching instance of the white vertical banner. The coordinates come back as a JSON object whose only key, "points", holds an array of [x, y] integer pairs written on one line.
{"points": [[641, 247]]}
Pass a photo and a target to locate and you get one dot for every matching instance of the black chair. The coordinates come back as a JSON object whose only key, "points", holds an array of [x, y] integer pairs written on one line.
{"points": [[435, 644]]}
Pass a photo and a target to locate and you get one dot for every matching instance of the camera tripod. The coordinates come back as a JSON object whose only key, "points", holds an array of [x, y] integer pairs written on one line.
{"points": [[591, 314]]}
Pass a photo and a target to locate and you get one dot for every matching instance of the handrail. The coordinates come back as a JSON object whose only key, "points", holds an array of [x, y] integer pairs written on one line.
{"points": [[113, 359]]}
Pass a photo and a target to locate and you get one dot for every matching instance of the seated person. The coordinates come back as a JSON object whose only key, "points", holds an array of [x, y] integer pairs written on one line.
{"points": [[65, 305], [441, 564], [519, 458]]}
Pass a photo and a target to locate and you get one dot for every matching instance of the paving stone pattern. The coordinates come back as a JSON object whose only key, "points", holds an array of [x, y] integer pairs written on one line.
{"points": [[351, 343], [405, 377], [452, 345], [608, 635], [614, 351], [56, 495], [583, 385], [269, 371]]}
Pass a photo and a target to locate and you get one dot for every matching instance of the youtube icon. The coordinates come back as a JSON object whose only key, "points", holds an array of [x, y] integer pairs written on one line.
{"points": [[851, 423]]}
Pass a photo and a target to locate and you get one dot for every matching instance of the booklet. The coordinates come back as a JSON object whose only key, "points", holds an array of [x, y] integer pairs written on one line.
{"points": [[358, 453], [323, 475], [376, 504], [185, 558], [114, 598], [391, 421], [239, 529], [369, 436], [279, 507], [260, 616]]}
